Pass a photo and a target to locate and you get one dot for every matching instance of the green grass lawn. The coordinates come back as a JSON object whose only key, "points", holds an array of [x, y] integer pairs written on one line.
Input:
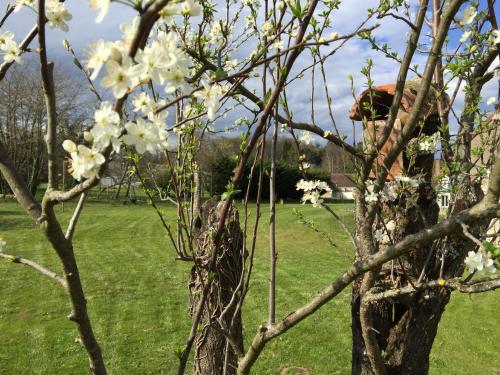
{"points": [[137, 299]]}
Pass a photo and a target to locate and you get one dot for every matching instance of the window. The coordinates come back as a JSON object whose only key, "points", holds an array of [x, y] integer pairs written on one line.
{"points": [[445, 200]]}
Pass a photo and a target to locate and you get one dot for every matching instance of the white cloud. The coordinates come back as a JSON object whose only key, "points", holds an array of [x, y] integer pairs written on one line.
{"points": [[348, 60]]}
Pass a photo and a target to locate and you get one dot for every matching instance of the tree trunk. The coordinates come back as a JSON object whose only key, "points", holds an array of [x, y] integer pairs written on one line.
{"points": [[406, 327], [213, 353]]}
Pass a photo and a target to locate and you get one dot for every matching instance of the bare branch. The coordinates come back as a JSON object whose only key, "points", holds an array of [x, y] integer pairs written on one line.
{"points": [[45, 271], [480, 211], [18, 185], [408, 22], [74, 219], [415, 115], [295, 125], [8, 11], [479, 286], [400, 83], [47, 73], [245, 154]]}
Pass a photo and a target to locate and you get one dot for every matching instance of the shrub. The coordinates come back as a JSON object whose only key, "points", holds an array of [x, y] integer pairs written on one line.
{"points": [[222, 169]]}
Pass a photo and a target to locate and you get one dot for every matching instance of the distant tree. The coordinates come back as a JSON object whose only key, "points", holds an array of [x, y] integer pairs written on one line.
{"points": [[179, 55], [23, 119]]}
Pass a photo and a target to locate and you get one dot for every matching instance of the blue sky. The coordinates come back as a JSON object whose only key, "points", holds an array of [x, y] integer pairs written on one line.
{"points": [[349, 60]]}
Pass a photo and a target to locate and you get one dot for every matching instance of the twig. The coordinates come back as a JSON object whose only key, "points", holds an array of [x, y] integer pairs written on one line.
{"points": [[482, 210], [74, 219], [47, 73], [457, 284], [408, 22], [35, 266]]}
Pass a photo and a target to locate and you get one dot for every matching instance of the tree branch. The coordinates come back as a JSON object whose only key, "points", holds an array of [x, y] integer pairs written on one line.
{"points": [[18, 186], [244, 155], [408, 22], [415, 114], [457, 284], [146, 23], [295, 125], [74, 219], [23, 46], [482, 210], [45, 271], [400, 85], [47, 73]]}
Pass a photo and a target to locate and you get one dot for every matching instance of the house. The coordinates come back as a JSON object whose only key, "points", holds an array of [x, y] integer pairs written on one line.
{"points": [[442, 186], [343, 186], [484, 141]]}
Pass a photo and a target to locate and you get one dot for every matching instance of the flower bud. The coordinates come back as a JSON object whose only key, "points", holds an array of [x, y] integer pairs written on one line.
{"points": [[69, 146], [88, 136]]}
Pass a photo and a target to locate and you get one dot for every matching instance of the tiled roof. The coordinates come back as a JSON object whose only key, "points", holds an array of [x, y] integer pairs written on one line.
{"points": [[342, 180]]}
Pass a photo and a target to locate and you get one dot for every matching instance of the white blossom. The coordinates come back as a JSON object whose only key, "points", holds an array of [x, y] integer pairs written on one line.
{"points": [[153, 63], [210, 96], [252, 3], [491, 100], [176, 77], [231, 64], [88, 136], [98, 57], [102, 6], [428, 143], [480, 261], [268, 28], [334, 35], [146, 136], [69, 146], [141, 102], [249, 21], [371, 197], [129, 30], [106, 129], [466, 35], [22, 3], [85, 162], [168, 13], [144, 103], [57, 15], [6, 37], [305, 137], [121, 77], [390, 225], [407, 180], [216, 35], [468, 15], [191, 8], [278, 45], [494, 37], [11, 52], [314, 191]]}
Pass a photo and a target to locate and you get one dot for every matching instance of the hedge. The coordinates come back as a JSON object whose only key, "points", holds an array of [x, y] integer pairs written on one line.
{"points": [[222, 169]]}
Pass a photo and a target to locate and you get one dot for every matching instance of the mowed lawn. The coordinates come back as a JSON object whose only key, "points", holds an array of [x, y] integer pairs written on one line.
{"points": [[137, 298]]}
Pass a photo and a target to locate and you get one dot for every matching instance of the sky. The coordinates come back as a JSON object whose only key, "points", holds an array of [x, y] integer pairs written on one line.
{"points": [[348, 61]]}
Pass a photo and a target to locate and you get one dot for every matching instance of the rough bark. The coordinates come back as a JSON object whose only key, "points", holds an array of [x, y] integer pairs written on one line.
{"points": [[406, 327], [213, 352]]}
